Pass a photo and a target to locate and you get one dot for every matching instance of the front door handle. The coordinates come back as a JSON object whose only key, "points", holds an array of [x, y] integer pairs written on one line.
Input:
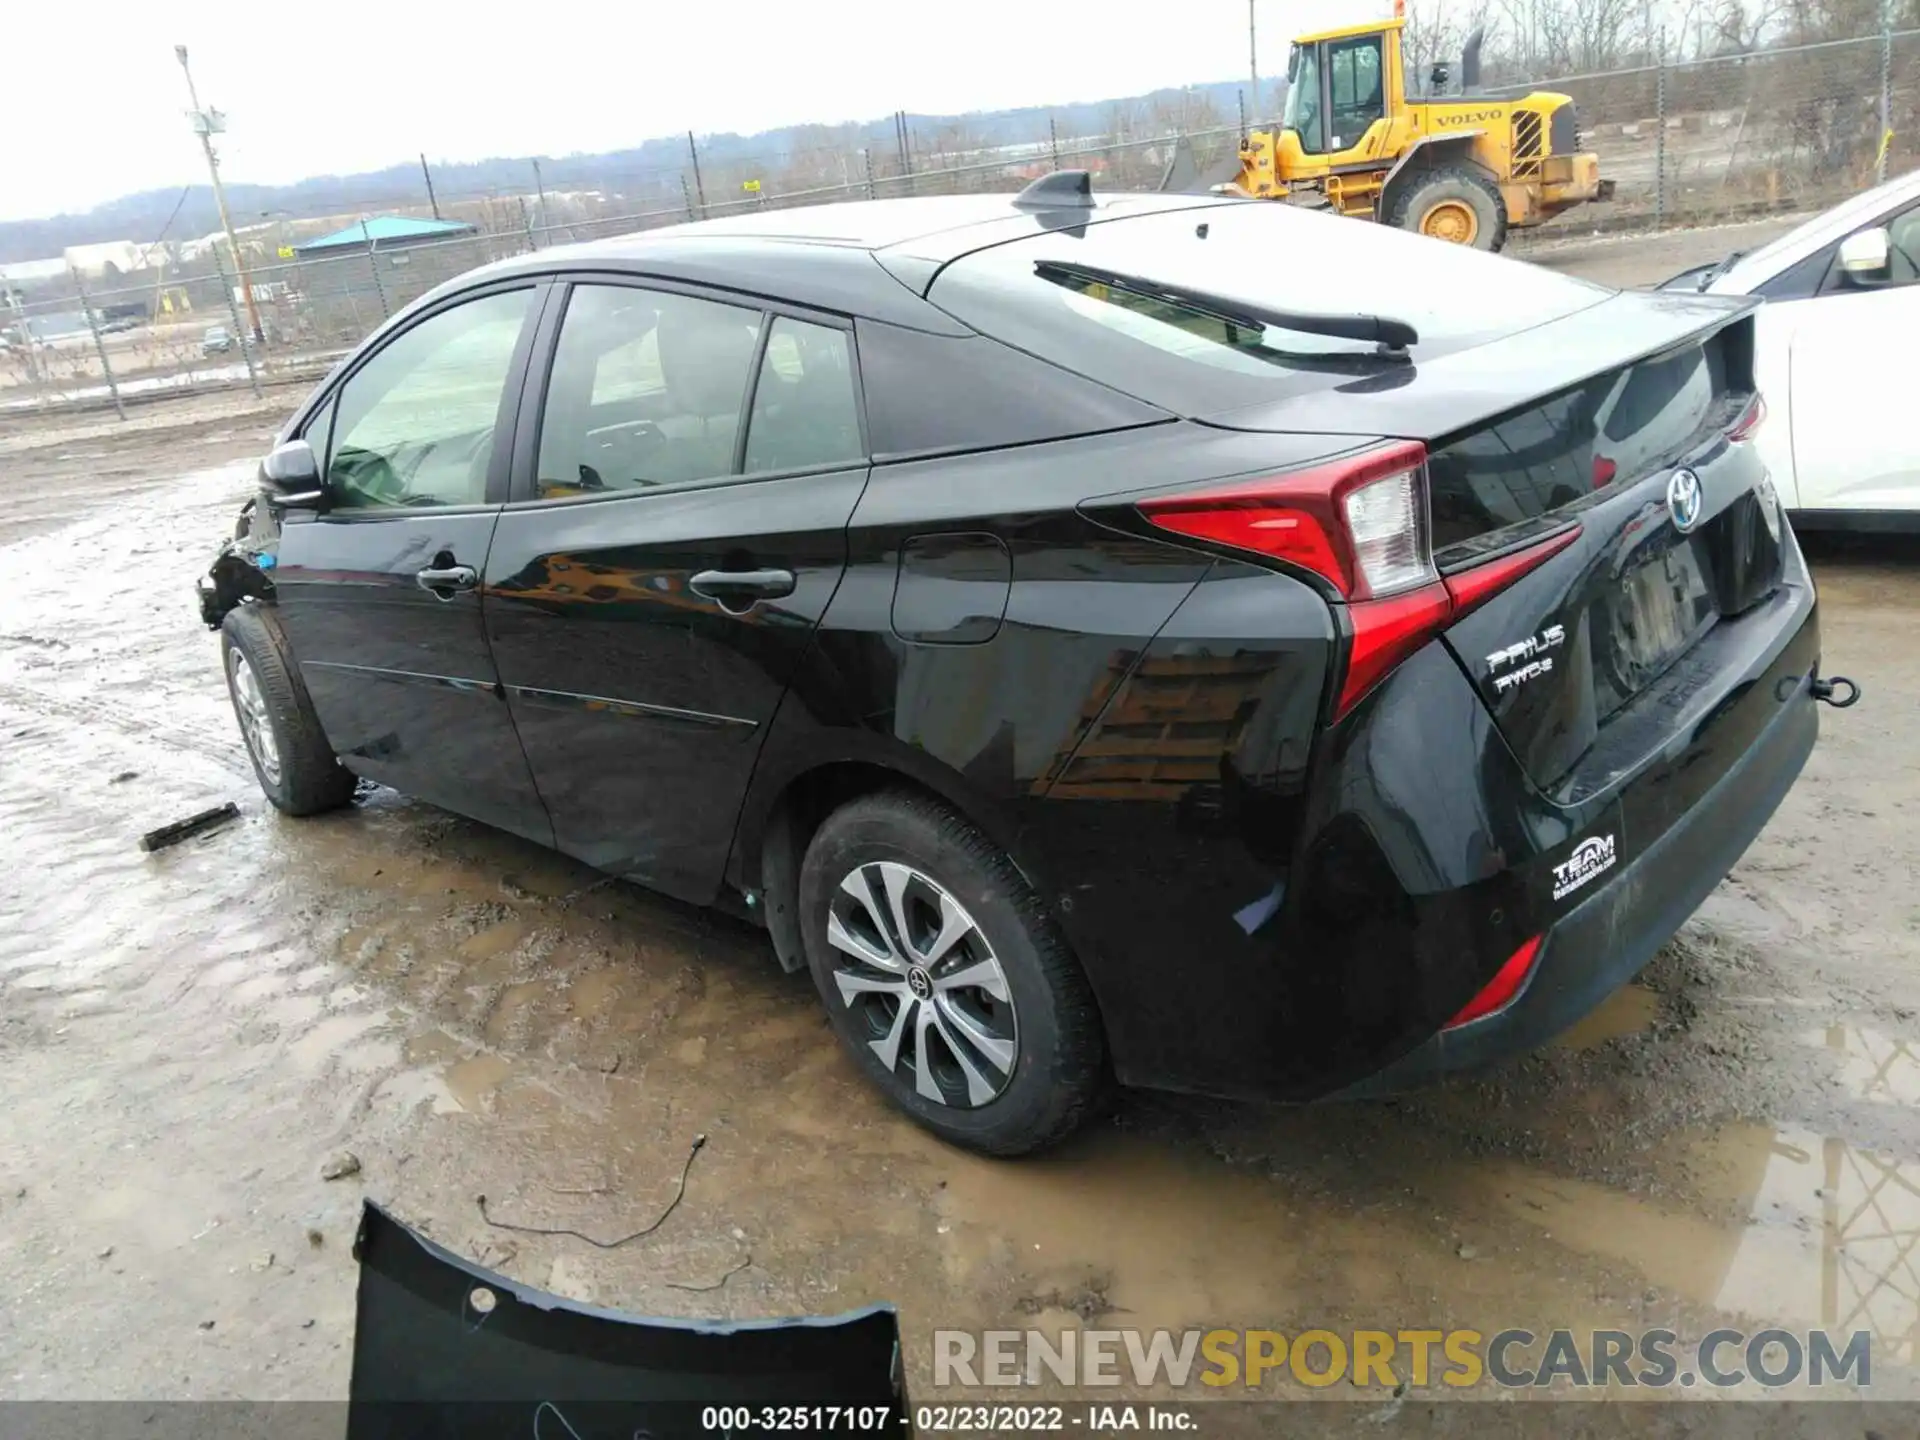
{"points": [[443, 580], [740, 589]]}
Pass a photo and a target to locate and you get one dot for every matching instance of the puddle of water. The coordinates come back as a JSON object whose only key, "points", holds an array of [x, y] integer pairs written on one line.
{"points": [[1873, 1066], [517, 1008], [336, 1040], [595, 992], [1825, 1233], [1138, 1230], [471, 1082], [439, 1072], [493, 941], [1628, 1011]]}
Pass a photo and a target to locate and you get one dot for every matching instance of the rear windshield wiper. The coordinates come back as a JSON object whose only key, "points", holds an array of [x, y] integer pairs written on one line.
{"points": [[1722, 268], [1391, 335]]}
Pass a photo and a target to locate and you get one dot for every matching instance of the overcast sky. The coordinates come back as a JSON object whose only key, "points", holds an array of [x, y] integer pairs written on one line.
{"points": [[93, 103]]}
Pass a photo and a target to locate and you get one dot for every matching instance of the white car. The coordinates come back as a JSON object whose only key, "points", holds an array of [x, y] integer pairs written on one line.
{"points": [[1833, 358]]}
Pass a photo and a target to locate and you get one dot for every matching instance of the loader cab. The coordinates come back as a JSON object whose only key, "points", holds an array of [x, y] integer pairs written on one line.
{"points": [[1344, 89]]}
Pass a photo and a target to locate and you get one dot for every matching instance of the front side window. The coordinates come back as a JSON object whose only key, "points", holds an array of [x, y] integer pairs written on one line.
{"points": [[319, 432], [1302, 115], [647, 390], [1353, 75], [803, 406], [414, 426]]}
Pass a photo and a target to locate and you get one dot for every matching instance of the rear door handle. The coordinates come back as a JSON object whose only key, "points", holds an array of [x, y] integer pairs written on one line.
{"points": [[740, 589], [442, 581]]}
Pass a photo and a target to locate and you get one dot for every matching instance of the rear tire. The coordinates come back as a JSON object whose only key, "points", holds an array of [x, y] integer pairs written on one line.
{"points": [[1457, 205], [291, 758], [946, 979]]}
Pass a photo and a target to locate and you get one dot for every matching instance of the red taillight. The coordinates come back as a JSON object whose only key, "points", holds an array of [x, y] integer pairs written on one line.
{"points": [[1487, 579], [1385, 632], [1508, 981], [1603, 472], [1360, 524], [1749, 421]]}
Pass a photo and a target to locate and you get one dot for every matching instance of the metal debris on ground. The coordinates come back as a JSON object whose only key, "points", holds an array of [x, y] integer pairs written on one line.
{"points": [[725, 1276], [679, 1194], [186, 829]]}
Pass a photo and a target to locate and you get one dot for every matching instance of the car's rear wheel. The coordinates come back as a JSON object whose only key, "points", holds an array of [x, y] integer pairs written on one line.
{"points": [[945, 978], [1459, 206], [291, 758]]}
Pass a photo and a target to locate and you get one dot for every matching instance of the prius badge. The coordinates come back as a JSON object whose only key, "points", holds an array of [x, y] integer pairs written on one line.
{"points": [[1684, 499]]}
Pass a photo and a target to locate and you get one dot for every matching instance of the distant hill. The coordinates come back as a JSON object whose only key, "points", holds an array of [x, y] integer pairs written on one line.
{"points": [[649, 173]]}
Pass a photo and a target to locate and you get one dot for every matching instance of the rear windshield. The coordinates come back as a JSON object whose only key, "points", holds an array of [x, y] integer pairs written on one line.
{"points": [[1260, 252], [1614, 428]]}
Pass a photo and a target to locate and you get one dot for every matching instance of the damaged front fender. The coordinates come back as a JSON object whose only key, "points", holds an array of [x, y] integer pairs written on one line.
{"points": [[241, 571], [444, 1348]]}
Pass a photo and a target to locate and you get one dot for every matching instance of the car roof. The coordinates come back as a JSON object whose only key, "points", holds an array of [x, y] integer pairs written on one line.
{"points": [[1815, 234], [872, 258]]}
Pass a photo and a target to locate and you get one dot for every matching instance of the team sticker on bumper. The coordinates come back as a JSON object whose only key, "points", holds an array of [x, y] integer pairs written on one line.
{"points": [[1591, 858]]}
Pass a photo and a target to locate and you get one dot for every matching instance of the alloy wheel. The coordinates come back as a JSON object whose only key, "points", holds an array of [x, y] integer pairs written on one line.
{"points": [[256, 724], [911, 964]]}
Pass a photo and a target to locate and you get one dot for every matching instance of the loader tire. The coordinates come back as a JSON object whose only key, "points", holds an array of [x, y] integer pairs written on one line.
{"points": [[1457, 205]]}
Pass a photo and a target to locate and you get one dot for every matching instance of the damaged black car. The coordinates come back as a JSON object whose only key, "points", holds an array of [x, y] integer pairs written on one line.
{"points": [[1092, 650]]}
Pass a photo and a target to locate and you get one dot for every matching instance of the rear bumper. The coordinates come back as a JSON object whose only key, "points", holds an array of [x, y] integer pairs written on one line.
{"points": [[1605, 941]]}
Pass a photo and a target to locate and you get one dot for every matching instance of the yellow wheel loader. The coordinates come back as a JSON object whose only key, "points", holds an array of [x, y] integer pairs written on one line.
{"points": [[1457, 166]]}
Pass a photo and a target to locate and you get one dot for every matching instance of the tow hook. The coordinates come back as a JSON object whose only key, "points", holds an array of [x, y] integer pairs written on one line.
{"points": [[1836, 690]]}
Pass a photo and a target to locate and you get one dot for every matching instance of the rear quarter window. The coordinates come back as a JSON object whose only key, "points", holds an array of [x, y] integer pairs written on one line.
{"points": [[931, 394]]}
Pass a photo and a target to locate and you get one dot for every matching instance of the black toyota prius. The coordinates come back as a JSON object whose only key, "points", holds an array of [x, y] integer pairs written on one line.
{"points": [[1182, 640]]}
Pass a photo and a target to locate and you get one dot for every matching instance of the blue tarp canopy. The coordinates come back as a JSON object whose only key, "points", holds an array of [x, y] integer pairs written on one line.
{"points": [[383, 231]]}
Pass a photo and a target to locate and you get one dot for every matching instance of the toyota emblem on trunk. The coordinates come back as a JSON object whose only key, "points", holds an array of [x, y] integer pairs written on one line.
{"points": [[1683, 499]]}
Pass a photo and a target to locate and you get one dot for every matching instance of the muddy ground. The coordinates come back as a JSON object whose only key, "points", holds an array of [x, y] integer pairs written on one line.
{"points": [[185, 1038]]}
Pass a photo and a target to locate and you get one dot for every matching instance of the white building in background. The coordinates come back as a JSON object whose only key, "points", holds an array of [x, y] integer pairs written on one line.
{"points": [[107, 258], [27, 272], [100, 262]]}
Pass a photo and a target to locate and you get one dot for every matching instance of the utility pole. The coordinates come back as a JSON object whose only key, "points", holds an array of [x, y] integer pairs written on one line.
{"points": [[207, 124], [700, 189], [99, 340], [1253, 64], [540, 189], [427, 175]]}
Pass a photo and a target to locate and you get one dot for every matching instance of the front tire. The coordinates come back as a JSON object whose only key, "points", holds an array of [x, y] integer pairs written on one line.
{"points": [[945, 978], [294, 764], [1457, 205]]}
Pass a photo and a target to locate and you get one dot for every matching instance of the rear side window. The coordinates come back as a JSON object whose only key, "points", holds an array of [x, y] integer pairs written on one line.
{"points": [[647, 389], [803, 405]]}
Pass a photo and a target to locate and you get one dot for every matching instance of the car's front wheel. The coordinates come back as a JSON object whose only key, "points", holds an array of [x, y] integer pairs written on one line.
{"points": [[291, 758], [946, 979]]}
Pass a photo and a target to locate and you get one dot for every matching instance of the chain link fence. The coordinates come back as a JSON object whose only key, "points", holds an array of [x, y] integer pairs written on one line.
{"points": [[73, 343], [1776, 130], [1792, 128]]}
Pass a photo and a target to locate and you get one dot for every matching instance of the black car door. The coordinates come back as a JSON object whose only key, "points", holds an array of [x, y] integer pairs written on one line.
{"points": [[379, 590], [677, 530]]}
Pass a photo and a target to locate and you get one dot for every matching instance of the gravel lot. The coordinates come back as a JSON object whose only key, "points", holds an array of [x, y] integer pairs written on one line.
{"points": [[186, 1037]]}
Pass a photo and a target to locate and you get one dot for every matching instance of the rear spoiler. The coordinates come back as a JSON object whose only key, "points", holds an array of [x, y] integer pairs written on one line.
{"points": [[1441, 395]]}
